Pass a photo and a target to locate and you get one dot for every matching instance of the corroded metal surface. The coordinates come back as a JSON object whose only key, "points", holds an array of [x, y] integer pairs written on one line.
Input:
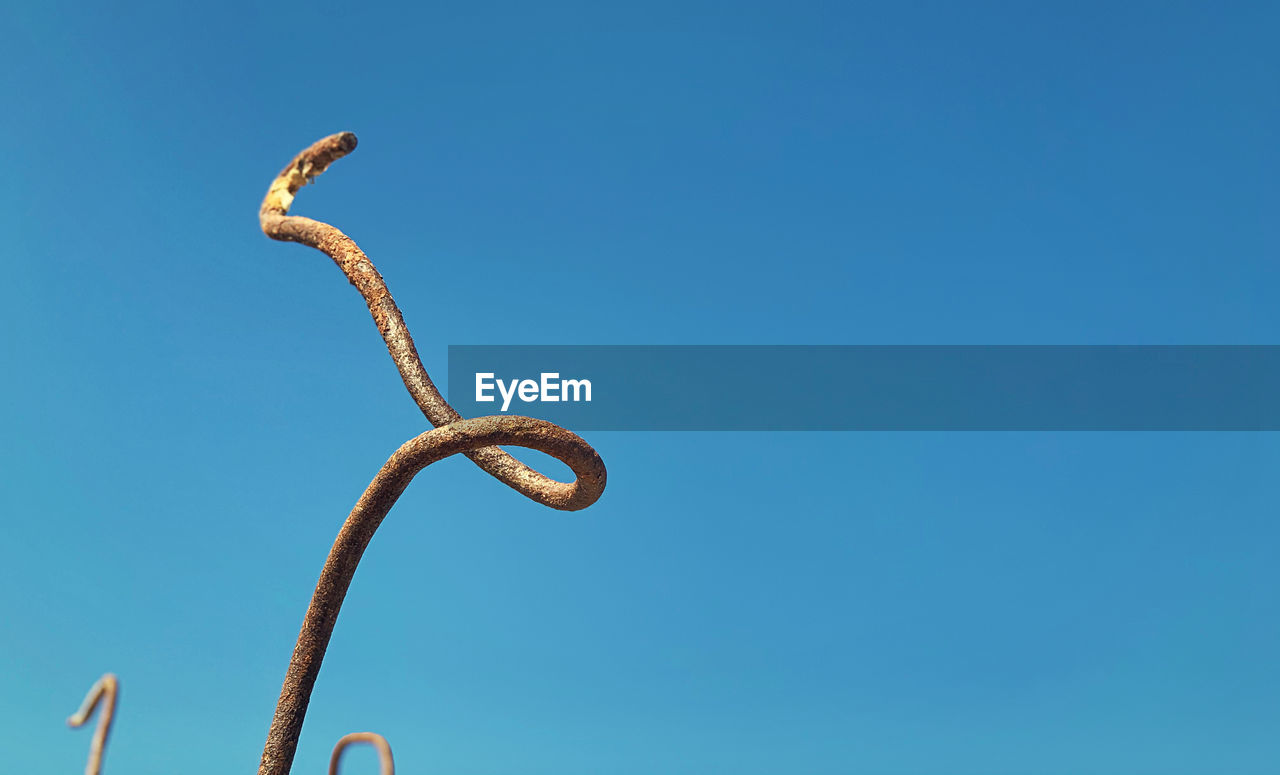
{"points": [[387, 765], [278, 224], [477, 438], [109, 687]]}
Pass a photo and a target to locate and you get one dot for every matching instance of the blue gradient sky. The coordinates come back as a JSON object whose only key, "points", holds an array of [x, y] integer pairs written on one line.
{"points": [[191, 409]]}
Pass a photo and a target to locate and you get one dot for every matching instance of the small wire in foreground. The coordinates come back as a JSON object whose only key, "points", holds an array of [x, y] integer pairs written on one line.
{"points": [[106, 686], [379, 742]]}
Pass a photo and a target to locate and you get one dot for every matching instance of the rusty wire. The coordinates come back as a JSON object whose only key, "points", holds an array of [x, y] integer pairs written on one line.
{"points": [[387, 765], [106, 686], [476, 438]]}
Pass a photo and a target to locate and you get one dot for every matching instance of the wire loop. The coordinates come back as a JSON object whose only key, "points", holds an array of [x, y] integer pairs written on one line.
{"points": [[476, 438]]}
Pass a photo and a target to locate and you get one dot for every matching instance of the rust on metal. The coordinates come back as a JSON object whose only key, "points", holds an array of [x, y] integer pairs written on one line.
{"points": [[476, 438], [360, 271]]}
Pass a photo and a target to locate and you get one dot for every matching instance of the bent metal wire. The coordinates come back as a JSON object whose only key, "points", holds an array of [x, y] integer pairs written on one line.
{"points": [[477, 438], [387, 765], [109, 687]]}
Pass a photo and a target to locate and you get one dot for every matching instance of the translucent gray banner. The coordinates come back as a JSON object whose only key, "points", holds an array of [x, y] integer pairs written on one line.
{"points": [[842, 388]]}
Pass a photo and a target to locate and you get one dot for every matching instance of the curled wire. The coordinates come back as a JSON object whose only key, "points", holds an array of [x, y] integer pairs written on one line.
{"points": [[277, 224], [106, 686], [387, 765], [476, 438]]}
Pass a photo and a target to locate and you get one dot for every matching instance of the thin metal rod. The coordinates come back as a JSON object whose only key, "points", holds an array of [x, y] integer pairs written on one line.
{"points": [[353, 539], [386, 763], [107, 686], [477, 438], [360, 271]]}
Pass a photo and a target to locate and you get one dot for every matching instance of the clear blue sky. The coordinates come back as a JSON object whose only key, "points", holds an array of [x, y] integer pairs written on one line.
{"points": [[190, 409]]}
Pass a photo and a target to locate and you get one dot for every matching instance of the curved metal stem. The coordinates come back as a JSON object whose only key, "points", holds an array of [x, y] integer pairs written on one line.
{"points": [[106, 686], [477, 438], [278, 224], [378, 498], [387, 765]]}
